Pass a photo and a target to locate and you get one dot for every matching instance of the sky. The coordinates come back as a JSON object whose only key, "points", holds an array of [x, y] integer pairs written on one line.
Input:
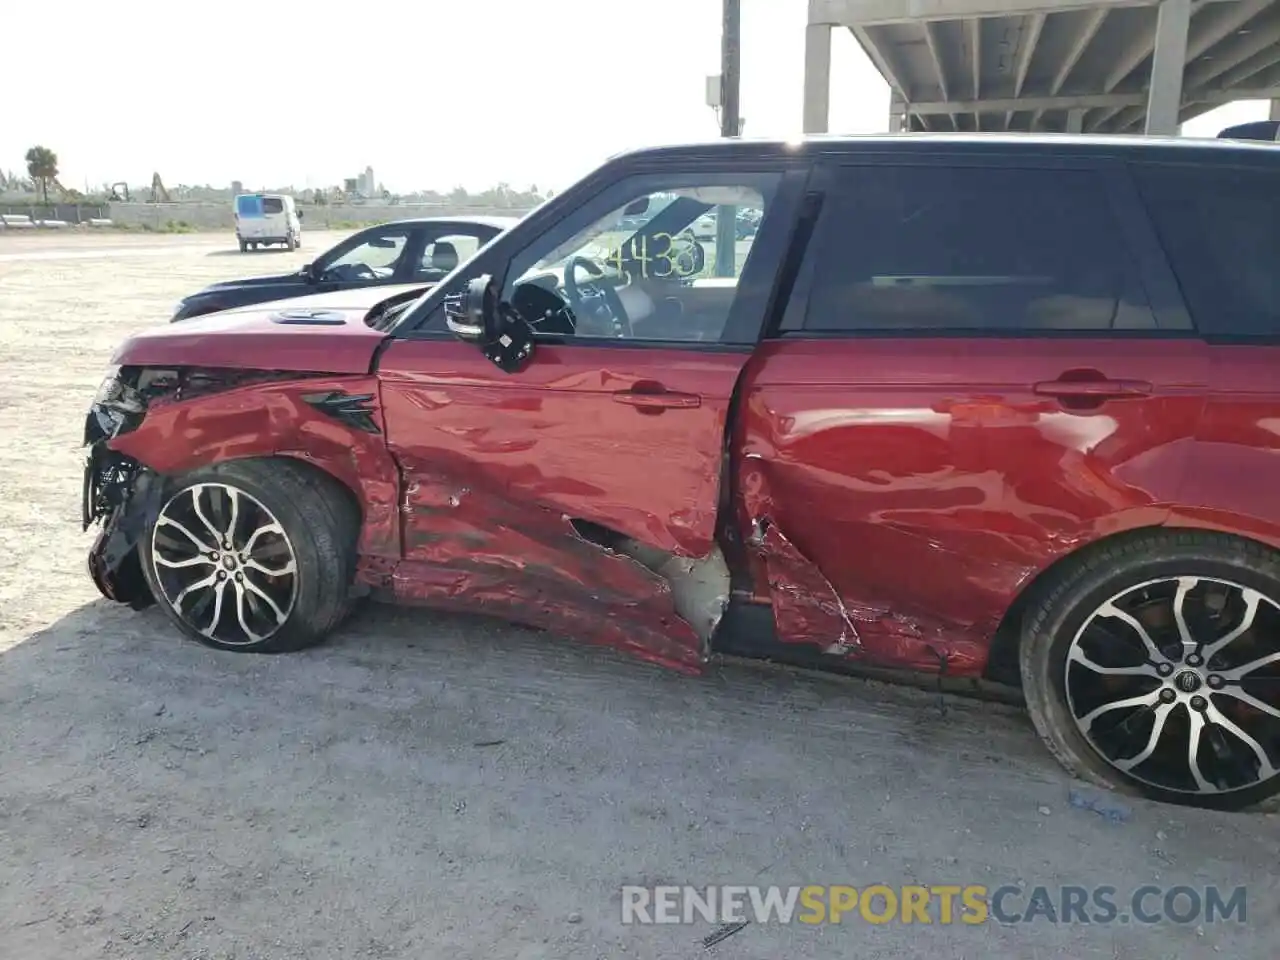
{"points": [[432, 94]]}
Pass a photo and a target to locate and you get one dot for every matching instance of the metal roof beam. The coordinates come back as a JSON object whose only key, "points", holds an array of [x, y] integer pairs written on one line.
{"points": [[939, 68], [1233, 54], [879, 60], [1088, 30], [866, 13], [1249, 70], [975, 46], [1086, 101], [1028, 39], [1226, 21], [1229, 20]]}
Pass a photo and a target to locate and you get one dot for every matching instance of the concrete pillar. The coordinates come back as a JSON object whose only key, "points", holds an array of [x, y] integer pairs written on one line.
{"points": [[1075, 121], [1275, 109], [1164, 100], [897, 114], [817, 77]]}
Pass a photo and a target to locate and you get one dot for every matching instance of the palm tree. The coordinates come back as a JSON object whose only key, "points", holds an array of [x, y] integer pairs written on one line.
{"points": [[42, 165]]}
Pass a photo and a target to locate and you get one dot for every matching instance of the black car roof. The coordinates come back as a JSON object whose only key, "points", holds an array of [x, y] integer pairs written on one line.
{"points": [[1167, 149]]}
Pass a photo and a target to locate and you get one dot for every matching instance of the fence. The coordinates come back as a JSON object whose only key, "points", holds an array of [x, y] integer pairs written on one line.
{"points": [[66, 212], [219, 216]]}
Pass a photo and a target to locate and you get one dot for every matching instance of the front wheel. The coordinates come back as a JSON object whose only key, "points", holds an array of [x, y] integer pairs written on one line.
{"points": [[253, 555], [1153, 666]]}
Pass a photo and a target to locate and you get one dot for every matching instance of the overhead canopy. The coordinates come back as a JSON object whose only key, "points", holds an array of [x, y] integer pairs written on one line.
{"points": [[1069, 65]]}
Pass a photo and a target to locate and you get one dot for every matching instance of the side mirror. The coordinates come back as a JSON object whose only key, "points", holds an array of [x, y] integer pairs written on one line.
{"points": [[299, 214], [309, 272], [475, 315]]}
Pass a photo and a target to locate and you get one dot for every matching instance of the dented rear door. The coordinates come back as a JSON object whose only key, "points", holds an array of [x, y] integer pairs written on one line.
{"points": [[983, 367], [582, 493]]}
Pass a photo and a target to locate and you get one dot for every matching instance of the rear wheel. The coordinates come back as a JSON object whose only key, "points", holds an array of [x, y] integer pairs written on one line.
{"points": [[244, 246], [253, 555], [1153, 666], [290, 243]]}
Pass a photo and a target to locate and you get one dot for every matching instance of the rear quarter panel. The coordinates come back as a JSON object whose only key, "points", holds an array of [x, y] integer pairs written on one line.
{"points": [[1233, 481]]}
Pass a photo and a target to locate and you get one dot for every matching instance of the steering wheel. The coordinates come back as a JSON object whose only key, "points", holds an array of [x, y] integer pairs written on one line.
{"points": [[596, 303]]}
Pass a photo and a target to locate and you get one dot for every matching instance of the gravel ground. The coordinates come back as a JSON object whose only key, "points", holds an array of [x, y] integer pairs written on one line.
{"points": [[428, 786]]}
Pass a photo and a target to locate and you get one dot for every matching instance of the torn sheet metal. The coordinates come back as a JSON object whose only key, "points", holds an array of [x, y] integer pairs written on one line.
{"points": [[468, 546], [807, 608]]}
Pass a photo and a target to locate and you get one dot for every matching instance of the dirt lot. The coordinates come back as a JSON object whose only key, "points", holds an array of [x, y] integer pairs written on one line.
{"points": [[428, 786]]}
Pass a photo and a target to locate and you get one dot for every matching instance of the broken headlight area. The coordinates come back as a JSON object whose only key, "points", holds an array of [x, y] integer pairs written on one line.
{"points": [[122, 400], [117, 407]]}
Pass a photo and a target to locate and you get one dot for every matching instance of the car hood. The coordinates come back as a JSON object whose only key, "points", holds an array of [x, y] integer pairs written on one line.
{"points": [[323, 333], [249, 282]]}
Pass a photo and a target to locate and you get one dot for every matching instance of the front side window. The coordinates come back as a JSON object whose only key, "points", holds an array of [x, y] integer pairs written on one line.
{"points": [[656, 258], [967, 250], [370, 257]]}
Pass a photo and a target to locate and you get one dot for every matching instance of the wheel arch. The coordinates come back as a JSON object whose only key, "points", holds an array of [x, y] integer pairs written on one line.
{"points": [[283, 420], [1002, 660]]}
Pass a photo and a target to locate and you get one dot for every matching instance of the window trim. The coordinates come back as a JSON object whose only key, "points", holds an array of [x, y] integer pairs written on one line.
{"points": [[1149, 268]]}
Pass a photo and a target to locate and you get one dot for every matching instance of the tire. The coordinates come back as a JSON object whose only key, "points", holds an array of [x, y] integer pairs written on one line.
{"points": [[244, 246], [1213, 579], [307, 528], [290, 243]]}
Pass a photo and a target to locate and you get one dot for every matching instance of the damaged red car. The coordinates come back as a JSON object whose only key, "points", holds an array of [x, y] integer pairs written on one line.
{"points": [[1002, 409]]}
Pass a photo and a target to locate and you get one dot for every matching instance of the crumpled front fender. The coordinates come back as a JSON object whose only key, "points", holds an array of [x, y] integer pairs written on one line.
{"points": [[114, 564]]}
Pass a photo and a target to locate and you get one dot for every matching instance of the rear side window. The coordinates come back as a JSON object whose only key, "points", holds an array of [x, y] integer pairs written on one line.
{"points": [[971, 250], [1221, 231], [272, 205]]}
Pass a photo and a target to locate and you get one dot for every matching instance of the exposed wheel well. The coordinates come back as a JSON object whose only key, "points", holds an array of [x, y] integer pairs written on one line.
{"points": [[1002, 663]]}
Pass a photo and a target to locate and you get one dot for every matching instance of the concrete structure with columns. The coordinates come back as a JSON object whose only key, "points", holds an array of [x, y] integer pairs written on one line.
{"points": [[1076, 66]]}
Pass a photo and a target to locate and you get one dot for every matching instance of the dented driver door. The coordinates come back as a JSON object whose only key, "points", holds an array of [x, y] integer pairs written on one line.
{"points": [[581, 494]]}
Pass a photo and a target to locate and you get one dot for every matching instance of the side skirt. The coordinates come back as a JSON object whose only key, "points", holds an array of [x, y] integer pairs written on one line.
{"points": [[748, 631]]}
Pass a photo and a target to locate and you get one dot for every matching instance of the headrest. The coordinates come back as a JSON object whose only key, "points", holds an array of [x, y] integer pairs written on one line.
{"points": [[444, 256]]}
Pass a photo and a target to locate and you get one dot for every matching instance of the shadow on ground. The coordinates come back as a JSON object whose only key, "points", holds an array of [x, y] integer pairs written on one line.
{"points": [[429, 786]]}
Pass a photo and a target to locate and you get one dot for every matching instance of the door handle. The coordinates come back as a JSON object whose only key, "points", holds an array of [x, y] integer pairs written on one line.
{"points": [[1102, 389], [658, 400]]}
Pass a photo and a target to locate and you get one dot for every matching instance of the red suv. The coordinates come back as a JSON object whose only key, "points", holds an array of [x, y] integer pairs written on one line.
{"points": [[981, 407]]}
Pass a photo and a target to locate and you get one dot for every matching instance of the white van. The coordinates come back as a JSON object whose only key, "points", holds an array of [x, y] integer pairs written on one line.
{"points": [[266, 218]]}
